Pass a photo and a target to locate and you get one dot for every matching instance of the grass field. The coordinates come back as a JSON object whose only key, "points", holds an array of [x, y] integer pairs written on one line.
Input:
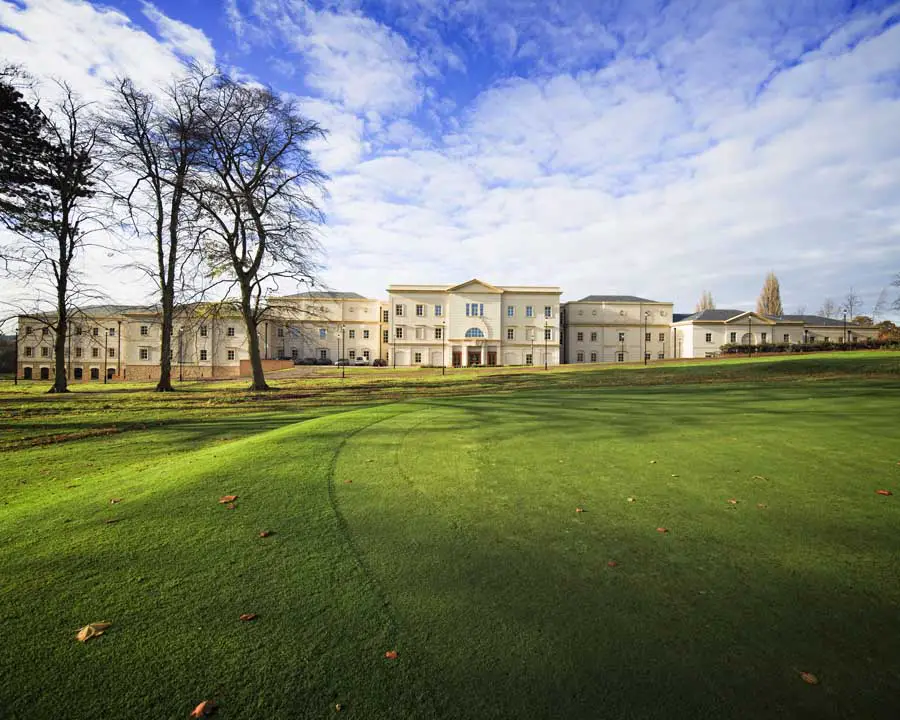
{"points": [[437, 518]]}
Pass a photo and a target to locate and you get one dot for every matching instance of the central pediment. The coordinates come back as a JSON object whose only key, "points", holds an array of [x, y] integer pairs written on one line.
{"points": [[475, 286]]}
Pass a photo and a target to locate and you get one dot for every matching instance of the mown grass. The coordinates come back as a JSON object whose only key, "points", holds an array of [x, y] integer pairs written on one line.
{"points": [[456, 543]]}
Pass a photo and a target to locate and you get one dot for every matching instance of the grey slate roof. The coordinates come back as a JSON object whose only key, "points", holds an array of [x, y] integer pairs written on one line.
{"points": [[720, 315], [616, 298], [333, 294], [812, 320], [713, 315]]}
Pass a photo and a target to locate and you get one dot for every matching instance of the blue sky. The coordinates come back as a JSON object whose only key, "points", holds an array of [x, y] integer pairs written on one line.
{"points": [[639, 146]]}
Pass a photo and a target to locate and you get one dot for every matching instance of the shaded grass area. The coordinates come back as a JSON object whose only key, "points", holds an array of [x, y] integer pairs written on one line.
{"points": [[457, 544]]}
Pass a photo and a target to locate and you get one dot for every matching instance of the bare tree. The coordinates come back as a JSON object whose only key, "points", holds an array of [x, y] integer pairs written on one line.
{"points": [[156, 141], [801, 309], [829, 309], [880, 306], [769, 301], [896, 283], [706, 302], [260, 219], [851, 303], [52, 222]]}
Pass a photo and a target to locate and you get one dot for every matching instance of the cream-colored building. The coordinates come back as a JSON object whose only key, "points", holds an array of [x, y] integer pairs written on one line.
{"points": [[616, 328], [473, 324], [704, 333]]}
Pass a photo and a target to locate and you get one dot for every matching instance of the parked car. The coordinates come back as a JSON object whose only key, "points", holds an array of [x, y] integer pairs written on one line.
{"points": [[361, 361], [342, 361], [379, 362]]}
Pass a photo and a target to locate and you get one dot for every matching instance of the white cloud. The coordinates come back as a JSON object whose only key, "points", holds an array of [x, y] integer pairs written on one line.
{"points": [[184, 39]]}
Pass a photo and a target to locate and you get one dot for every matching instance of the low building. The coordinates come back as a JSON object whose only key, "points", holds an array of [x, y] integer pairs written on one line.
{"points": [[616, 328], [704, 333], [473, 324]]}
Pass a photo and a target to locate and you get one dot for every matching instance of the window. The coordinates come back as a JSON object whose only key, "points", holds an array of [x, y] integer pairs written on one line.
{"points": [[231, 354], [646, 337], [366, 354], [203, 355], [385, 338], [294, 353], [78, 352], [112, 332], [593, 357], [352, 334], [529, 360], [323, 354], [733, 337], [29, 351], [474, 333], [438, 310], [420, 311], [230, 332], [548, 333], [45, 351], [112, 352], [144, 354], [28, 329], [661, 356], [529, 311], [280, 332], [79, 373], [510, 334], [398, 310], [621, 337], [474, 309], [787, 337], [322, 333], [548, 311], [95, 352], [439, 333], [145, 330], [420, 333], [826, 339], [385, 316], [510, 311], [418, 357], [352, 354], [78, 329], [580, 337], [764, 336], [203, 331], [398, 333], [44, 331], [708, 337], [662, 337], [620, 357], [96, 332], [646, 356], [580, 356], [593, 337]]}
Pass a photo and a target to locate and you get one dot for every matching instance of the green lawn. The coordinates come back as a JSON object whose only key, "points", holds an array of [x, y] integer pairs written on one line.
{"points": [[456, 542]]}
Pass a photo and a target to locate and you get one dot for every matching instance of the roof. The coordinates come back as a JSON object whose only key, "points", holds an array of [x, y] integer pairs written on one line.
{"points": [[552, 289], [321, 294], [678, 317], [713, 315], [818, 320], [619, 298], [723, 315]]}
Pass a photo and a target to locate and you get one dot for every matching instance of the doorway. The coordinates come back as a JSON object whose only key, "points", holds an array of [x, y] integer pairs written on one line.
{"points": [[45, 373], [457, 358], [474, 358], [26, 373], [492, 358], [95, 373]]}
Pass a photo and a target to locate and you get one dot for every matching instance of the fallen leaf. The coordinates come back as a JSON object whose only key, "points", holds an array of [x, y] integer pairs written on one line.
{"points": [[112, 521], [391, 655], [761, 506], [674, 476], [732, 501], [611, 563], [338, 707], [265, 533], [246, 617], [653, 462], [809, 678], [662, 530], [578, 509], [231, 506], [884, 492], [347, 482], [114, 501], [207, 707], [227, 499], [93, 630], [631, 499], [759, 477]]}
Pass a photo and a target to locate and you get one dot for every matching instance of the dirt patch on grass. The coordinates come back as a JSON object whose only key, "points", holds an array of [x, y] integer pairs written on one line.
{"points": [[61, 437]]}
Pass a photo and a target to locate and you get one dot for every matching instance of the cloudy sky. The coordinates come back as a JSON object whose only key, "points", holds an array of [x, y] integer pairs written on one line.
{"points": [[646, 147]]}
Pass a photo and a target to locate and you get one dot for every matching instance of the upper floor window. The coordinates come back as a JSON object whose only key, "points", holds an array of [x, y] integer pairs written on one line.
{"points": [[280, 332], [78, 352], [95, 352], [474, 309], [44, 331], [662, 337], [593, 337], [112, 332], [510, 334], [708, 337], [510, 311], [145, 330], [45, 352], [646, 337], [322, 333], [420, 311], [28, 329], [548, 311], [112, 352], [230, 332], [29, 352], [548, 334], [96, 332], [529, 311], [385, 316], [203, 331], [352, 334], [580, 337], [621, 337], [398, 310], [365, 334], [439, 333], [398, 333], [78, 329], [438, 310], [474, 333], [384, 336]]}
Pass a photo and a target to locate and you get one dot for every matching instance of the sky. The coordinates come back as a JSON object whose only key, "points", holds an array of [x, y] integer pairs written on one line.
{"points": [[648, 147]]}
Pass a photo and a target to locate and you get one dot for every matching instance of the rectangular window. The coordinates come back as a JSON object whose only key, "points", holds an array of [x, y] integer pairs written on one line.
{"points": [[548, 334], [733, 337], [28, 329], [580, 356], [366, 354], [78, 329], [620, 357], [529, 360], [646, 337], [439, 333], [398, 333], [385, 337], [420, 311], [45, 352], [646, 356], [621, 337], [78, 352], [418, 357], [29, 351], [708, 337], [112, 332], [662, 337], [661, 356], [203, 355], [510, 334], [365, 334], [420, 333], [385, 316], [231, 354], [112, 352], [764, 336], [145, 330], [510, 311], [323, 354], [96, 332], [144, 354], [548, 311], [398, 310], [230, 332], [438, 310], [825, 339], [203, 331], [529, 311], [593, 357], [352, 334], [593, 337], [322, 333], [44, 331], [95, 352], [787, 338], [580, 337], [280, 332], [352, 354], [294, 353]]}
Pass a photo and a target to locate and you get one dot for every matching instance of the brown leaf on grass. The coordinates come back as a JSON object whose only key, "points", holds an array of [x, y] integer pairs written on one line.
{"points": [[631, 499], [115, 501], [579, 510], [761, 506], [653, 462], [391, 655], [662, 530], [338, 707], [759, 477], [93, 630], [732, 501], [247, 617], [884, 492], [809, 678], [347, 482], [204, 709], [265, 533], [227, 499], [611, 563], [231, 506]]}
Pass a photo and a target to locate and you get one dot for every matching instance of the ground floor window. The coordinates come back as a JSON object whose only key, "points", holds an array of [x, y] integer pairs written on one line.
{"points": [[661, 356], [79, 373], [529, 359], [323, 354], [45, 373], [145, 354], [646, 356], [352, 354], [593, 357], [293, 353], [95, 373], [620, 357], [26, 373], [231, 354], [580, 356], [366, 354], [418, 357], [203, 355]]}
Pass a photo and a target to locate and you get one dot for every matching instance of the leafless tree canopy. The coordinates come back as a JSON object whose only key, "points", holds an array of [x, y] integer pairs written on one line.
{"points": [[706, 302], [769, 301]]}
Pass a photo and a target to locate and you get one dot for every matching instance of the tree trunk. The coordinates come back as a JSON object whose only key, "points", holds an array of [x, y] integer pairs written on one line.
{"points": [[165, 358], [259, 378], [60, 379]]}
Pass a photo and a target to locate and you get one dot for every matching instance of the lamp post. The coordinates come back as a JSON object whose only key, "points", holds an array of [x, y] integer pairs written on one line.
{"points": [[533, 333], [16, 368], [443, 347], [845, 328], [105, 353], [180, 355], [646, 318], [546, 332], [749, 335], [340, 359], [674, 343]]}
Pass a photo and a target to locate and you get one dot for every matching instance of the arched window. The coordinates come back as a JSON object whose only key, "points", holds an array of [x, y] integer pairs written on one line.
{"points": [[474, 333]]}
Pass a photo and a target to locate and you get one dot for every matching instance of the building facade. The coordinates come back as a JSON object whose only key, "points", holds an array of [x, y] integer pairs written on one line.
{"points": [[473, 324], [616, 328]]}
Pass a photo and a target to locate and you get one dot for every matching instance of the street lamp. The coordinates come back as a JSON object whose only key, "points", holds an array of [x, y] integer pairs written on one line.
{"points": [[340, 359], [180, 355], [749, 335], [443, 347], [16, 368], [845, 328], [105, 353], [546, 333], [533, 333], [646, 319]]}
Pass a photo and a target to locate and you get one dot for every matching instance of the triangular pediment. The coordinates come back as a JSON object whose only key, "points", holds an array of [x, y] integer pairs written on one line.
{"points": [[751, 317], [475, 286]]}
